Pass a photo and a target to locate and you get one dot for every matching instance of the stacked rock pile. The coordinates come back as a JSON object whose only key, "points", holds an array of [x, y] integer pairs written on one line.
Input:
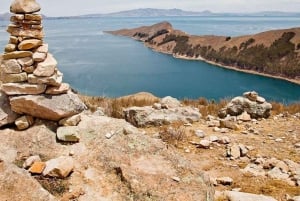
{"points": [[29, 73]]}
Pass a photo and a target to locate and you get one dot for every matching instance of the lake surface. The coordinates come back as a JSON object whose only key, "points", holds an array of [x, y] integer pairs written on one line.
{"points": [[100, 64]]}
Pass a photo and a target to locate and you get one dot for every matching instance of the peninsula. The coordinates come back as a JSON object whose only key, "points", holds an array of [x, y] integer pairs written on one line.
{"points": [[273, 53]]}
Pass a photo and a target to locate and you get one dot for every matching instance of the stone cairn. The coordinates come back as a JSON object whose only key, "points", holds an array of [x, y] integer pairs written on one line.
{"points": [[29, 74]]}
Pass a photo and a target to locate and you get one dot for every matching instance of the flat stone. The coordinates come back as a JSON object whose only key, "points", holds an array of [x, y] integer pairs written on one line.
{"points": [[10, 48], [39, 57], [43, 49], [70, 121], [11, 66], [26, 61], [23, 88], [276, 173], [68, 134], [62, 89], [48, 107], [24, 6], [204, 144], [17, 55], [224, 140], [54, 80], [30, 33], [7, 116], [35, 17], [17, 18], [37, 168], [254, 170], [229, 124], [13, 78], [24, 122], [59, 167], [31, 22], [239, 196], [38, 27], [251, 95], [28, 69], [29, 44], [13, 40], [29, 161], [47, 67]]}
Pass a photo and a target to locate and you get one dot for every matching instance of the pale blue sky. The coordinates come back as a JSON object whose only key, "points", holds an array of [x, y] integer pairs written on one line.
{"points": [[78, 7]]}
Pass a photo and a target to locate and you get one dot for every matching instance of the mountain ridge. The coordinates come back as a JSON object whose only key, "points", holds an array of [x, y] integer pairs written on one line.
{"points": [[274, 53], [153, 12]]}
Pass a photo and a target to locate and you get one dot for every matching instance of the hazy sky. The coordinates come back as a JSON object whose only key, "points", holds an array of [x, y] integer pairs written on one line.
{"points": [[78, 7]]}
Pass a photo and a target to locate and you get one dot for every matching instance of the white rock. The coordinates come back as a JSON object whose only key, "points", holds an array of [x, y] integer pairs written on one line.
{"points": [[29, 161], [68, 134], [200, 133], [239, 196], [204, 144], [225, 180], [59, 167]]}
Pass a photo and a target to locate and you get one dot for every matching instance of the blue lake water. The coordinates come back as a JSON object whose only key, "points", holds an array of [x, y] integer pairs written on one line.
{"points": [[95, 63]]}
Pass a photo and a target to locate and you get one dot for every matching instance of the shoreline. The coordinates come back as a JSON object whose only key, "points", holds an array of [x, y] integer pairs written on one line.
{"points": [[294, 81]]}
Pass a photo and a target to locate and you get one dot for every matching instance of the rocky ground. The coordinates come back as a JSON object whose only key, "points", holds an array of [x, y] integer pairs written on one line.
{"points": [[174, 154]]}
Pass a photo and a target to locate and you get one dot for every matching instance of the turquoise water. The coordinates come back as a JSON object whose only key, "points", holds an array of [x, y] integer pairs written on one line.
{"points": [[96, 63]]}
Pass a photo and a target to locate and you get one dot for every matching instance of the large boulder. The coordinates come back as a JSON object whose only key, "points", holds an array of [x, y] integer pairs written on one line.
{"points": [[24, 6], [50, 107], [155, 116], [7, 116], [251, 103], [17, 184]]}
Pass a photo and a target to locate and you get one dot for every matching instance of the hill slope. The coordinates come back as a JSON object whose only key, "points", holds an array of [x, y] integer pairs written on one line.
{"points": [[273, 53]]}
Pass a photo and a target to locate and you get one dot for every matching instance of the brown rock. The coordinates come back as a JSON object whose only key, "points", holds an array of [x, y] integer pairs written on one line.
{"points": [[7, 116], [37, 168], [39, 56], [11, 66], [24, 122], [28, 69], [38, 27], [24, 6], [35, 17], [17, 18], [43, 48], [30, 33], [23, 88], [31, 22], [26, 61], [10, 48], [59, 167], [70, 121], [62, 89], [54, 80], [29, 44], [17, 55], [47, 67], [13, 40], [48, 107], [13, 78]]}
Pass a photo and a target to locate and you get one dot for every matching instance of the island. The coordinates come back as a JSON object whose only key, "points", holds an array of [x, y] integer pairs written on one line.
{"points": [[274, 53]]}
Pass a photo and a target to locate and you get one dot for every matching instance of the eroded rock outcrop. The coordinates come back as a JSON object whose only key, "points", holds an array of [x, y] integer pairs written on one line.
{"points": [[29, 72], [250, 102], [167, 111]]}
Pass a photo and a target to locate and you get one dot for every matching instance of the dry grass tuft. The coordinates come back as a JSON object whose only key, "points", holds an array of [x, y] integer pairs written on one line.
{"points": [[279, 108], [56, 187], [206, 107], [113, 107], [174, 134]]}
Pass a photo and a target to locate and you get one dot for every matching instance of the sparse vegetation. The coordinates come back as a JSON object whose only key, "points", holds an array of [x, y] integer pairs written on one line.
{"points": [[173, 135], [55, 186]]}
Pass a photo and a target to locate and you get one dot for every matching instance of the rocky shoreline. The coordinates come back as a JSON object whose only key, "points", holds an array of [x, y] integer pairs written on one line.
{"points": [[163, 38]]}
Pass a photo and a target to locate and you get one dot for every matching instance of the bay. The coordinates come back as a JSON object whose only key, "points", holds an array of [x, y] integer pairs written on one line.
{"points": [[99, 64]]}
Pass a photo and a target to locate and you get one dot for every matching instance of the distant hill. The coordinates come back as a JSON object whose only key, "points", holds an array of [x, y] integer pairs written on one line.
{"points": [[273, 53], [152, 12]]}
